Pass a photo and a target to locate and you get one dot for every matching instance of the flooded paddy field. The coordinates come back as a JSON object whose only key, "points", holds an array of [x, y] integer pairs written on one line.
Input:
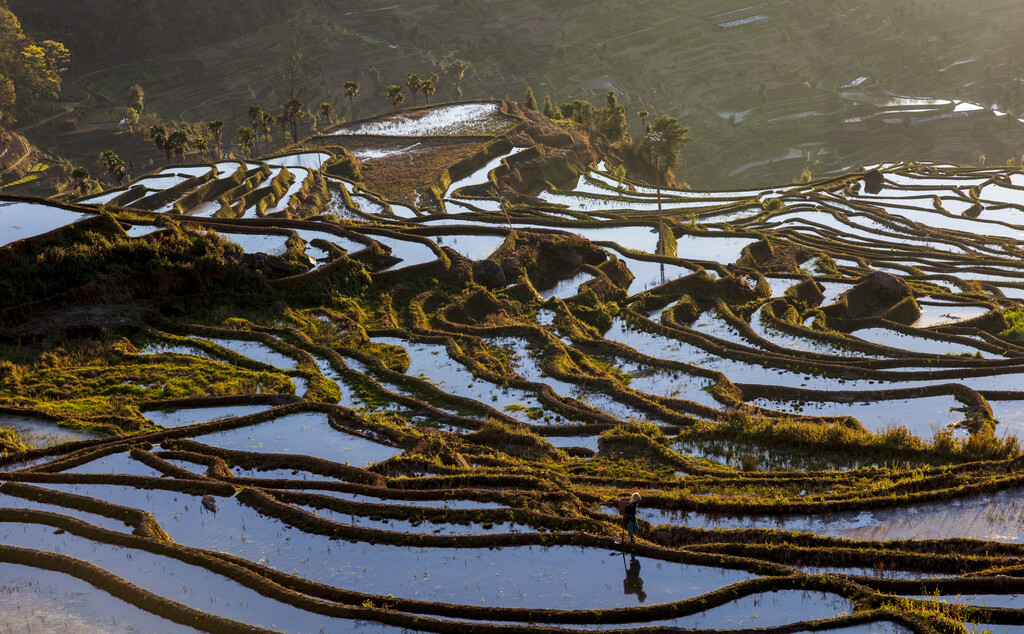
{"points": [[365, 415]]}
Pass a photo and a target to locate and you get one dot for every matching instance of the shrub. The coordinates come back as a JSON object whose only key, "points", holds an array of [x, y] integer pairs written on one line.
{"points": [[1016, 320]]}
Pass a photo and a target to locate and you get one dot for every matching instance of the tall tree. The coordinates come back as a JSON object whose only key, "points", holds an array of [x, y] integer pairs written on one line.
{"points": [[158, 136], [80, 179], [136, 98], [530, 102], [655, 142], [664, 148], [201, 146], [46, 62], [413, 82], [178, 142], [456, 71], [351, 92], [29, 70], [326, 112], [246, 139], [395, 95], [293, 111], [428, 89], [293, 71], [216, 128], [255, 115], [612, 119], [113, 164], [643, 119]]}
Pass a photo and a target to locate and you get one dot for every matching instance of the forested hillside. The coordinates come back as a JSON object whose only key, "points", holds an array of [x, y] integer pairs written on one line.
{"points": [[768, 90], [30, 69]]}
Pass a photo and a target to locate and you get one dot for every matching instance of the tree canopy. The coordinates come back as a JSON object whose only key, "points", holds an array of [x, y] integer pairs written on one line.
{"points": [[664, 145], [612, 119], [395, 95], [30, 71]]}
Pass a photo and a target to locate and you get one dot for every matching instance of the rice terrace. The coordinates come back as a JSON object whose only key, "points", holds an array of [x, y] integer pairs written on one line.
{"points": [[467, 317]]}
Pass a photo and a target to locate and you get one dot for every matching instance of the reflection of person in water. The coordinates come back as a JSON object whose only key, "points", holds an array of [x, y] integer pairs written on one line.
{"points": [[633, 584]]}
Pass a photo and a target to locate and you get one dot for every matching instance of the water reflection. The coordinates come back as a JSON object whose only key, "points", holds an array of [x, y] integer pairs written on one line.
{"points": [[633, 584]]}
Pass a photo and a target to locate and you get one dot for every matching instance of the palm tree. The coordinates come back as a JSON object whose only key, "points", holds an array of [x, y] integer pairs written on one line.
{"points": [[413, 82], [80, 178], [327, 111], [113, 164], [428, 89], [216, 128], [643, 119], [395, 95], [158, 135], [351, 92], [246, 139], [293, 111], [255, 115], [200, 146], [178, 144]]}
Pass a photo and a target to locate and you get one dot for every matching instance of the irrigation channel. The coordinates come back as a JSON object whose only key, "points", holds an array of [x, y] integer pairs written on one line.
{"points": [[814, 390]]}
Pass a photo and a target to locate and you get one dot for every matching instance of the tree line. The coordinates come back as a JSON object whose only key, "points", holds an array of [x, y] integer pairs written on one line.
{"points": [[174, 142], [652, 157]]}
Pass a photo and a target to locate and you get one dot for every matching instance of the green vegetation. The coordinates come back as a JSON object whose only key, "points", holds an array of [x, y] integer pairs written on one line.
{"points": [[291, 114], [395, 96], [11, 442], [113, 164], [718, 386], [414, 83], [31, 72], [158, 136], [246, 139], [205, 259], [428, 89], [529, 101], [663, 58], [814, 438], [549, 108], [351, 92], [326, 112], [657, 154], [1015, 319]]}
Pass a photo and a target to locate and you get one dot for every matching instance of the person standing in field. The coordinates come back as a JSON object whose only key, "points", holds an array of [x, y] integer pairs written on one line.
{"points": [[629, 517]]}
